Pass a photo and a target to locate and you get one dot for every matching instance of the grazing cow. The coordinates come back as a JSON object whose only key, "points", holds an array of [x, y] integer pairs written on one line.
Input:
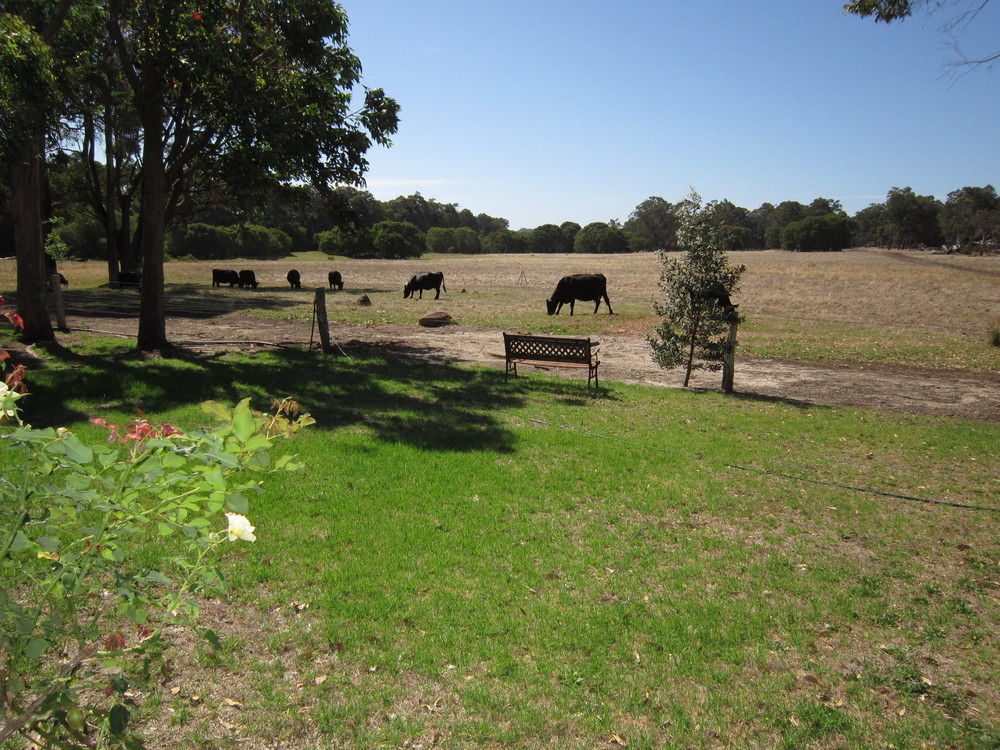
{"points": [[421, 281], [129, 278], [220, 277], [336, 280], [294, 279], [248, 280], [719, 294], [51, 270], [586, 287]]}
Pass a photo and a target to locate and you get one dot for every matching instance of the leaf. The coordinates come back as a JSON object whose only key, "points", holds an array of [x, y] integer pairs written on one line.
{"points": [[118, 718], [157, 577], [237, 503], [216, 410], [244, 425], [35, 648], [20, 542], [77, 451], [211, 636], [164, 529]]}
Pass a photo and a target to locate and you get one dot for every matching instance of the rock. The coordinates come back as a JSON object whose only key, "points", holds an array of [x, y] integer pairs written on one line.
{"points": [[434, 319], [363, 300], [462, 292]]}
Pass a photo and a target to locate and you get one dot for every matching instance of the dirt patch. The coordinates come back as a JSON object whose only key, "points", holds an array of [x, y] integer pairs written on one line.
{"points": [[624, 358]]}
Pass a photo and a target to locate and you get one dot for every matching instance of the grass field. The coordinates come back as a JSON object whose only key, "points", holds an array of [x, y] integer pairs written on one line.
{"points": [[859, 306], [468, 563]]}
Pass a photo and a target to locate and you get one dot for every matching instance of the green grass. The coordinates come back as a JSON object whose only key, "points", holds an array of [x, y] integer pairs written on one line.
{"points": [[475, 573]]}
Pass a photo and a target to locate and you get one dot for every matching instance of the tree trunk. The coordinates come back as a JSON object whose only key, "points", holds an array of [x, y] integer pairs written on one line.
{"points": [[26, 190], [694, 337], [110, 192], [152, 323]]}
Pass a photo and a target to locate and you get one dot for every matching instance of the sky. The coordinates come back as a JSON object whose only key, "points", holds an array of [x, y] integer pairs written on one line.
{"points": [[545, 111]]}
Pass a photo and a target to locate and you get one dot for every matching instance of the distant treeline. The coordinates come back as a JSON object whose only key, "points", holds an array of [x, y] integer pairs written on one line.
{"points": [[351, 222]]}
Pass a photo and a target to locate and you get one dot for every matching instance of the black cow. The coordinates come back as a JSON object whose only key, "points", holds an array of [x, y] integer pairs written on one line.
{"points": [[51, 270], [248, 280], [294, 279], [421, 281], [220, 277], [586, 287], [719, 294], [130, 278], [336, 280]]}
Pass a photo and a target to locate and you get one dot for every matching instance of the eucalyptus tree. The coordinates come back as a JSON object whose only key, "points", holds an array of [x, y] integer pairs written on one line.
{"points": [[30, 93], [248, 92]]}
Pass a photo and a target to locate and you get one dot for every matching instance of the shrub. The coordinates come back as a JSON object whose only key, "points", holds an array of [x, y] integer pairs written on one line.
{"points": [[505, 241], [397, 239], [828, 232], [598, 237], [447, 240], [351, 242]]}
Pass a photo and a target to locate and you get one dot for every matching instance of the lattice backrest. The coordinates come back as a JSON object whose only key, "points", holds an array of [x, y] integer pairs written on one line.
{"points": [[556, 349]]}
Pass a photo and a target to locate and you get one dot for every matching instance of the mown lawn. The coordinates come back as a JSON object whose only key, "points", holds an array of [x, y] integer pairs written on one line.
{"points": [[468, 563]]}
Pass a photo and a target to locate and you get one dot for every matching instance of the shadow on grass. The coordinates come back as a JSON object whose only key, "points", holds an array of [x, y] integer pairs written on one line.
{"points": [[430, 405]]}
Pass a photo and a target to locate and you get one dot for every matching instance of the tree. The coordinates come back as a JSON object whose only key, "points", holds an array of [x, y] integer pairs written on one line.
{"points": [[696, 289], [460, 240], [655, 223], [29, 97], [911, 220], [397, 239], [970, 219], [546, 238], [897, 10], [598, 237], [505, 241], [829, 232], [254, 93]]}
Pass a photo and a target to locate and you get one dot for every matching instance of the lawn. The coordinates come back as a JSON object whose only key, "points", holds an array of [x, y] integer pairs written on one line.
{"points": [[468, 563]]}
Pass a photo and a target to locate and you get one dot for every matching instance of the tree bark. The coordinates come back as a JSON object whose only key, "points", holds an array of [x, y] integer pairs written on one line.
{"points": [[694, 337], [152, 323], [26, 190]]}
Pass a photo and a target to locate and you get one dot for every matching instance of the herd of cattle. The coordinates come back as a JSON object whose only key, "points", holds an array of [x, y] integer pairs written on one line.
{"points": [[583, 287]]}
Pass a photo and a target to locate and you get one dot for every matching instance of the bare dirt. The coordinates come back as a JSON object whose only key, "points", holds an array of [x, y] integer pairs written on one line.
{"points": [[626, 359]]}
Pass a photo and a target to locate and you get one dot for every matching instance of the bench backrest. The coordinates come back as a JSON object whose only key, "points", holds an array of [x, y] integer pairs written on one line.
{"points": [[548, 348]]}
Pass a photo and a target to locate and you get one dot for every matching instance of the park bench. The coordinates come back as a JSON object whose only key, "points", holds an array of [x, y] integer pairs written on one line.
{"points": [[561, 351]]}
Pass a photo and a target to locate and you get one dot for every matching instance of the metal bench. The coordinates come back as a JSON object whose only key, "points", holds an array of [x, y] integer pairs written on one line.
{"points": [[561, 351]]}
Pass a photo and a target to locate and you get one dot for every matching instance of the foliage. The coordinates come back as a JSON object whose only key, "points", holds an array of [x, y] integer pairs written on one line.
{"points": [[695, 318], [397, 239], [655, 224], [27, 84], [204, 241], [547, 238], [600, 237], [351, 242], [970, 219], [81, 614], [505, 241], [829, 232], [445, 240]]}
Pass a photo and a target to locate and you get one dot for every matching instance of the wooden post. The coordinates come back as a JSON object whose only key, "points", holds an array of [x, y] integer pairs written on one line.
{"points": [[319, 307], [729, 363], [57, 298]]}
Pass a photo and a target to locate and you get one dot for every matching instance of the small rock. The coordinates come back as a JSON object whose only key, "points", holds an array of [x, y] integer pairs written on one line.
{"points": [[462, 292], [434, 319], [364, 300]]}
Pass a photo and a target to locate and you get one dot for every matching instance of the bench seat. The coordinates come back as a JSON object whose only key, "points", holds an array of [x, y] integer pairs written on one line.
{"points": [[543, 351]]}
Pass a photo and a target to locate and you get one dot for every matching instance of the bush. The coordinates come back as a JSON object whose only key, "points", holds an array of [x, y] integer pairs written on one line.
{"points": [[351, 242], [598, 237], [206, 241], [446, 240], [397, 239], [829, 232], [505, 241]]}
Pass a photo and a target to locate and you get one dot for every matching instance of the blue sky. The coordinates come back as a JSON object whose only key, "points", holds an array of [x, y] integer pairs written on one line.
{"points": [[552, 110]]}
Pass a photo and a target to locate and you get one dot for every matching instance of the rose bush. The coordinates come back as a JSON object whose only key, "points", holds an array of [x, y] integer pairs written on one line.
{"points": [[83, 605]]}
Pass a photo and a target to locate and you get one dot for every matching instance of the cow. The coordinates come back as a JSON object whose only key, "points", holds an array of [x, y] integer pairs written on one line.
{"points": [[294, 279], [336, 280], [720, 296], [421, 281], [586, 287], [51, 270], [220, 277], [248, 280]]}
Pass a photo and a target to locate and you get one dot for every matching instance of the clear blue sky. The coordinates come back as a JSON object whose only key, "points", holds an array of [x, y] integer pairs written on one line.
{"points": [[552, 110]]}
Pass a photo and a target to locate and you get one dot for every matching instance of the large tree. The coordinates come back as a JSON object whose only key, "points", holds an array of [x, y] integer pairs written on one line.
{"points": [[249, 92], [29, 97], [965, 12]]}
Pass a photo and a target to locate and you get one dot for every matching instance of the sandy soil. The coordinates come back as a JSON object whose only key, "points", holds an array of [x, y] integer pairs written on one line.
{"points": [[625, 359]]}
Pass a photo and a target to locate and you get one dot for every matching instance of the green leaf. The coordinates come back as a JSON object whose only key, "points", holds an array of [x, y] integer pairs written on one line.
{"points": [[211, 636], [164, 529], [157, 577], [35, 648], [20, 542], [237, 503], [48, 543], [77, 451], [118, 718], [217, 411], [244, 425]]}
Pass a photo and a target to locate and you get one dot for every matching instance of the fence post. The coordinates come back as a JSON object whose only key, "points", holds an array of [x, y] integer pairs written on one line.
{"points": [[57, 298], [319, 308], [729, 363]]}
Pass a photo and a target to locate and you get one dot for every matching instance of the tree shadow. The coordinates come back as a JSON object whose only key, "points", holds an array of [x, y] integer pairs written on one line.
{"points": [[430, 405]]}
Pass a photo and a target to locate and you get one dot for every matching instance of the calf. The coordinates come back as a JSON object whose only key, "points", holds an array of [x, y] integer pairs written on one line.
{"points": [[586, 287], [294, 279], [220, 277], [421, 281], [248, 280], [336, 280]]}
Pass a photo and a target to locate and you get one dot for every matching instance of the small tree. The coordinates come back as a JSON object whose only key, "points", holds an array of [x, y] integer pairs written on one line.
{"points": [[696, 292]]}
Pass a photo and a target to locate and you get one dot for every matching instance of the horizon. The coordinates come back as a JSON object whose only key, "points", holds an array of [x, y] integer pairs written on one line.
{"points": [[579, 112]]}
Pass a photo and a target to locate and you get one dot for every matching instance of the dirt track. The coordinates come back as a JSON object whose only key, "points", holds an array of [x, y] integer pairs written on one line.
{"points": [[626, 359]]}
